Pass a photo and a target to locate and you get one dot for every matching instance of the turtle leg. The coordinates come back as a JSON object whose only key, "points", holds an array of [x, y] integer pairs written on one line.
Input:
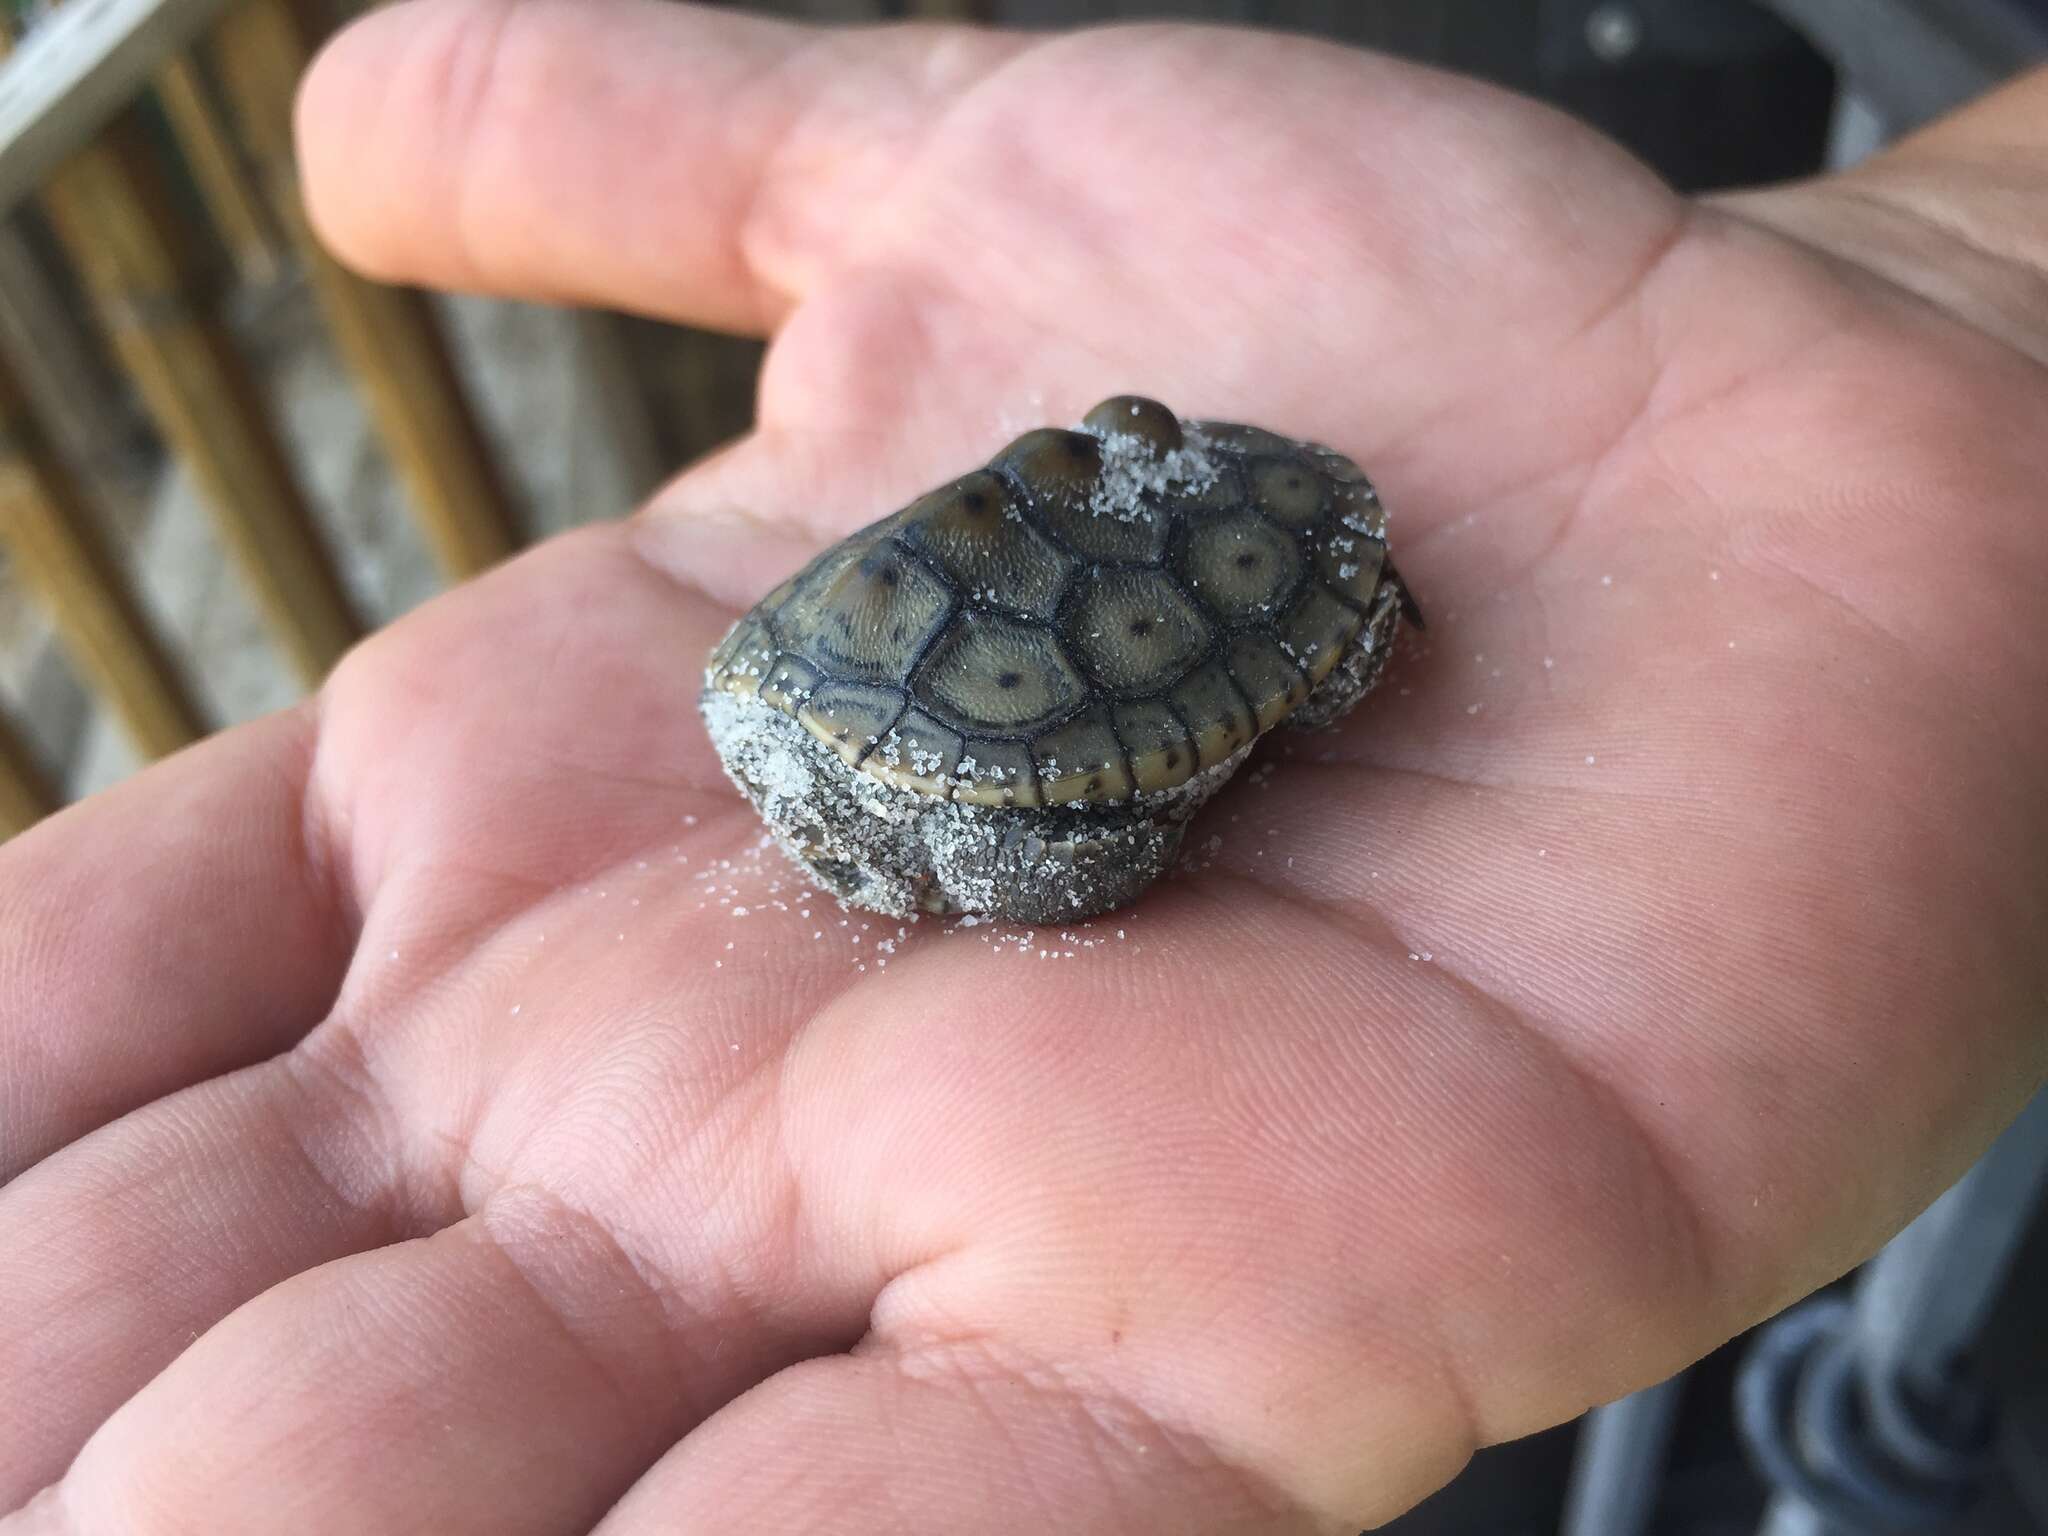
{"points": [[1410, 609]]}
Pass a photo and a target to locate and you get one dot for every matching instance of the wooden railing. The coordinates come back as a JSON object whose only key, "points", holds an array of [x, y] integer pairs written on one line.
{"points": [[78, 147], [71, 138], [25, 794]]}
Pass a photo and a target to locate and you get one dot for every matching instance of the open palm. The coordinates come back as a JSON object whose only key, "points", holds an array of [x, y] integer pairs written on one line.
{"points": [[434, 1110]]}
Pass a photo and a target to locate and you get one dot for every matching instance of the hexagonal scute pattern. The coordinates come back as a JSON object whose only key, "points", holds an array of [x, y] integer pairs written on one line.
{"points": [[1289, 491], [1134, 631], [1240, 566], [972, 533], [998, 677], [867, 613], [1092, 616]]}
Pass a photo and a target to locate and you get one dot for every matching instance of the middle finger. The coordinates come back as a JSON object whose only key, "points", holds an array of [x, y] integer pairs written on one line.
{"points": [[121, 1248], [513, 1373]]}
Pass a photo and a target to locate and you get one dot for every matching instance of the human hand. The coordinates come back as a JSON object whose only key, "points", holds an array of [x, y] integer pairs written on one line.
{"points": [[397, 1144]]}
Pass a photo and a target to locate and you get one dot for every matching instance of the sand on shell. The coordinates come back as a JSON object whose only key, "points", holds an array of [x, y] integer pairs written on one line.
{"points": [[898, 852]]}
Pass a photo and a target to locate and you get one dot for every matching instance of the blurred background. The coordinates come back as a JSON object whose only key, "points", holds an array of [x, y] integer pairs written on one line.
{"points": [[222, 458]]}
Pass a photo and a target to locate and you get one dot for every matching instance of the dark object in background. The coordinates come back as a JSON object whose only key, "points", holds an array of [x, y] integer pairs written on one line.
{"points": [[1713, 93], [1911, 60], [1518, 1489], [2016, 1373]]}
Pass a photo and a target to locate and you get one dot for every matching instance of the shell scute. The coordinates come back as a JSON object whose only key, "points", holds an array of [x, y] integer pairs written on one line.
{"points": [[917, 753], [1059, 476], [1136, 539], [1240, 566], [1220, 491], [1135, 631], [1266, 676], [1247, 439], [868, 613], [790, 681], [1056, 468], [1218, 719], [971, 532], [997, 772], [1082, 760], [1155, 742], [1350, 564], [1288, 490], [851, 718], [745, 655], [994, 675], [1315, 633]]}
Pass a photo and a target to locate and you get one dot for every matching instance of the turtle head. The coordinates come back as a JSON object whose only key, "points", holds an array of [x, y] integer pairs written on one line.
{"points": [[1134, 416]]}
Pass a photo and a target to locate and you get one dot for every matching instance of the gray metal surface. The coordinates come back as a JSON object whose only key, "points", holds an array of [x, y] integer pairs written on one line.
{"points": [[1912, 60], [1921, 1303], [1879, 1423], [1619, 1463], [1794, 1517]]}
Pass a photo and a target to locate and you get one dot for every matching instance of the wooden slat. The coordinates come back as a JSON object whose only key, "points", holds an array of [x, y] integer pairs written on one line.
{"points": [[47, 338], [112, 210], [389, 336], [626, 436], [79, 69], [712, 379], [48, 531], [25, 794], [224, 183]]}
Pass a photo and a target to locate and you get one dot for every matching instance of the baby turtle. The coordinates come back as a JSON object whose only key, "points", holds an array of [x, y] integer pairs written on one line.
{"points": [[1010, 696]]}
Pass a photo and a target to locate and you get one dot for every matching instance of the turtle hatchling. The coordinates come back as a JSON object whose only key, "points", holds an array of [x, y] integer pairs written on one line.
{"points": [[1009, 697]]}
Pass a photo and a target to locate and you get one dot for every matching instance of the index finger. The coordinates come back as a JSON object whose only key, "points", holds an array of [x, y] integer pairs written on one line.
{"points": [[626, 153], [177, 926]]}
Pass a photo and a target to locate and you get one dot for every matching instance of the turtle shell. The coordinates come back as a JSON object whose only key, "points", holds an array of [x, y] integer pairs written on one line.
{"points": [[1095, 616]]}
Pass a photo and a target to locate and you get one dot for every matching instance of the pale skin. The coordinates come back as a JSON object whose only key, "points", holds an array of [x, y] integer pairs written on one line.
{"points": [[390, 1151]]}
